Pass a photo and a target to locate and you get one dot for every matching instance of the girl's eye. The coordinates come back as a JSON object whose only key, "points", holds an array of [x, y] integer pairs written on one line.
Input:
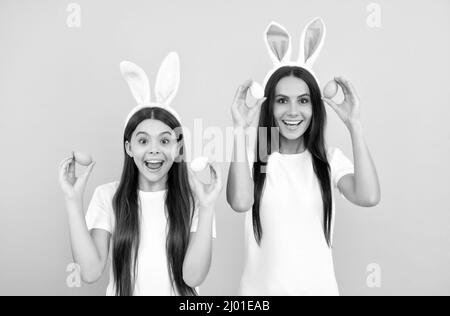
{"points": [[282, 101], [165, 141], [142, 141]]}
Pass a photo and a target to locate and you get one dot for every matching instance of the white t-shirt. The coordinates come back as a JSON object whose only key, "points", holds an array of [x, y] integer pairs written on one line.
{"points": [[294, 258], [152, 277]]}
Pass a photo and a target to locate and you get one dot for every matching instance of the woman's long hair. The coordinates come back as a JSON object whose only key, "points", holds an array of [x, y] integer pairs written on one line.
{"points": [[314, 142], [179, 204]]}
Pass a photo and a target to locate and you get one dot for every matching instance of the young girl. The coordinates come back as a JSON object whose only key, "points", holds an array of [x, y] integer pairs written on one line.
{"points": [[159, 219], [289, 190]]}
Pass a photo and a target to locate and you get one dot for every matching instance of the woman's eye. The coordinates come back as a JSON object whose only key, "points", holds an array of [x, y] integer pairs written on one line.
{"points": [[304, 100], [142, 141], [282, 101]]}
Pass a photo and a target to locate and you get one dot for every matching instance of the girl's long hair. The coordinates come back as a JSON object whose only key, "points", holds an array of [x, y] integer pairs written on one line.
{"points": [[180, 205], [314, 142]]}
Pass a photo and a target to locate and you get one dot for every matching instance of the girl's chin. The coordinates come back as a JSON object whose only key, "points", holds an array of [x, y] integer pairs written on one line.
{"points": [[154, 176]]}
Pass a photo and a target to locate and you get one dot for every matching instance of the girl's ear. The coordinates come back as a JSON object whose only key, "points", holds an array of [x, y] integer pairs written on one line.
{"points": [[128, 149], [278, 43], [178, 152], [168, 79], [137, 81], [311, 42]]}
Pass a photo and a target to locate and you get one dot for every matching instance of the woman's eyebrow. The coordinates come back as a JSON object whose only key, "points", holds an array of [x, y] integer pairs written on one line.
{"points": [[166, 132], [282, 95]]}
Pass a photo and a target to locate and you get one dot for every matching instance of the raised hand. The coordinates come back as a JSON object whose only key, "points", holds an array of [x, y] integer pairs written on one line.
{"points": [[207, 194], [73, 187], [243, 115], [349, 110]]}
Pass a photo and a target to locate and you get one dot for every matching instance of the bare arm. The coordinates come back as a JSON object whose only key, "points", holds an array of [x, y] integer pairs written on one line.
{"points": [[199, 254], [362, 188], [89, 250], [240, 187]]}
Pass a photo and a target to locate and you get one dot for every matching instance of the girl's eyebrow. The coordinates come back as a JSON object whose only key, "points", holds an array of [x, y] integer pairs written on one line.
{"points": [[138, 133], [145, 133]]}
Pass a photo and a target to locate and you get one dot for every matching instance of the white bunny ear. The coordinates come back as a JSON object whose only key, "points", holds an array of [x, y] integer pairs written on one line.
{"points": [[278, 43], [312, 41], [168, 79], [137, 81]]}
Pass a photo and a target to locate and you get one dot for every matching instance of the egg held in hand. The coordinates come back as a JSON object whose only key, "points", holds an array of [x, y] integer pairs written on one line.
{"points": [[82, 158], [199, 164], [330, 90]]}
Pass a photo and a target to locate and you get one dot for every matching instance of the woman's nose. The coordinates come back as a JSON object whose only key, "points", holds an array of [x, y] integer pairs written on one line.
{"points": [[293, 109]]}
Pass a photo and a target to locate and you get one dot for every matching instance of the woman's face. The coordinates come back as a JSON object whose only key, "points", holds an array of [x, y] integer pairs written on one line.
{"points": [[292, 107], [154, 148]]}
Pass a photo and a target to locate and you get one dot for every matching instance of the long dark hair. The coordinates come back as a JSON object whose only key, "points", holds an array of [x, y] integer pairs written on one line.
{"points": [[314, 142], [179, 205]]}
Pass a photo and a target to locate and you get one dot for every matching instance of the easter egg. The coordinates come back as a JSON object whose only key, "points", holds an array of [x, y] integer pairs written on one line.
{"points": [[330, 90], [82, 158], [256, 90], [199, 164]]}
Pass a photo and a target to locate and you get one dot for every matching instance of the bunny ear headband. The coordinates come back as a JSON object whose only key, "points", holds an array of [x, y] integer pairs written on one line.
{"points": [[278, 42], [167, 83]]}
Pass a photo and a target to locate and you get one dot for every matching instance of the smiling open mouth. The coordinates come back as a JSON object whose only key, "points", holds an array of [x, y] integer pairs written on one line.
{"points": [[154, 164], [292, 123]]}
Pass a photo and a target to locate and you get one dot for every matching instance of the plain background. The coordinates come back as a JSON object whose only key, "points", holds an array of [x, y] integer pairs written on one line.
{"points": [[60, 89]]}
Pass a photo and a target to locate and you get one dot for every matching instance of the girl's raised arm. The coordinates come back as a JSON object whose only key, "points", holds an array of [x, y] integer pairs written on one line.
{"points": [[199, 254], [89, 252]]}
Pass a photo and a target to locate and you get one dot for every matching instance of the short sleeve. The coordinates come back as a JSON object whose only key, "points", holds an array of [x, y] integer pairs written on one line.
{"points": [[251, 160], [251, 151], [195, 220], [99, 212], [340, 165]]}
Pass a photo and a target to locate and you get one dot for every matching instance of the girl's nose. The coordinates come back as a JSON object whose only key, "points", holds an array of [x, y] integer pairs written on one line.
{"points": [[154, 149]]}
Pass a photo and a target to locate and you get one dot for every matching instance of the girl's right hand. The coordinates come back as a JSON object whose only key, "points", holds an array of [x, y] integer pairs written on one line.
{"points": [[243, 115], [73, 187]]}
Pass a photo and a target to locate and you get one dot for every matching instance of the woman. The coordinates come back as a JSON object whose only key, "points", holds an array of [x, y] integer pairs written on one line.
{"points": [[288, 192]]}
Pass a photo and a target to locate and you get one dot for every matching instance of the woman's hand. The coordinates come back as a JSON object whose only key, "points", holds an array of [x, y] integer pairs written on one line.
{"points": [[207, 194], [349, 110], [243, 115], [73, 187]]}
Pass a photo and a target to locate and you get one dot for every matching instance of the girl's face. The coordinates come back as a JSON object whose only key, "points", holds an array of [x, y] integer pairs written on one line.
{"points": [[292, 107], [154, 148]]}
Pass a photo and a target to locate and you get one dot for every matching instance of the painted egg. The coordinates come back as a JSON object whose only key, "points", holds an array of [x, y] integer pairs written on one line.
{"points": [[330, 90], [256, 90], [82, 158], [199, 164]]}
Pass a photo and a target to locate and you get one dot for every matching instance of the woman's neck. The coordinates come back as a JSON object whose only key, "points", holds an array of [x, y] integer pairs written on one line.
{"points": [[147, 186], [292, 147]]}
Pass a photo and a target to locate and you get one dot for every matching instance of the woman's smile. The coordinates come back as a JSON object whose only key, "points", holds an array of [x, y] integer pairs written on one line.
{"points": [[292, 124]]}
